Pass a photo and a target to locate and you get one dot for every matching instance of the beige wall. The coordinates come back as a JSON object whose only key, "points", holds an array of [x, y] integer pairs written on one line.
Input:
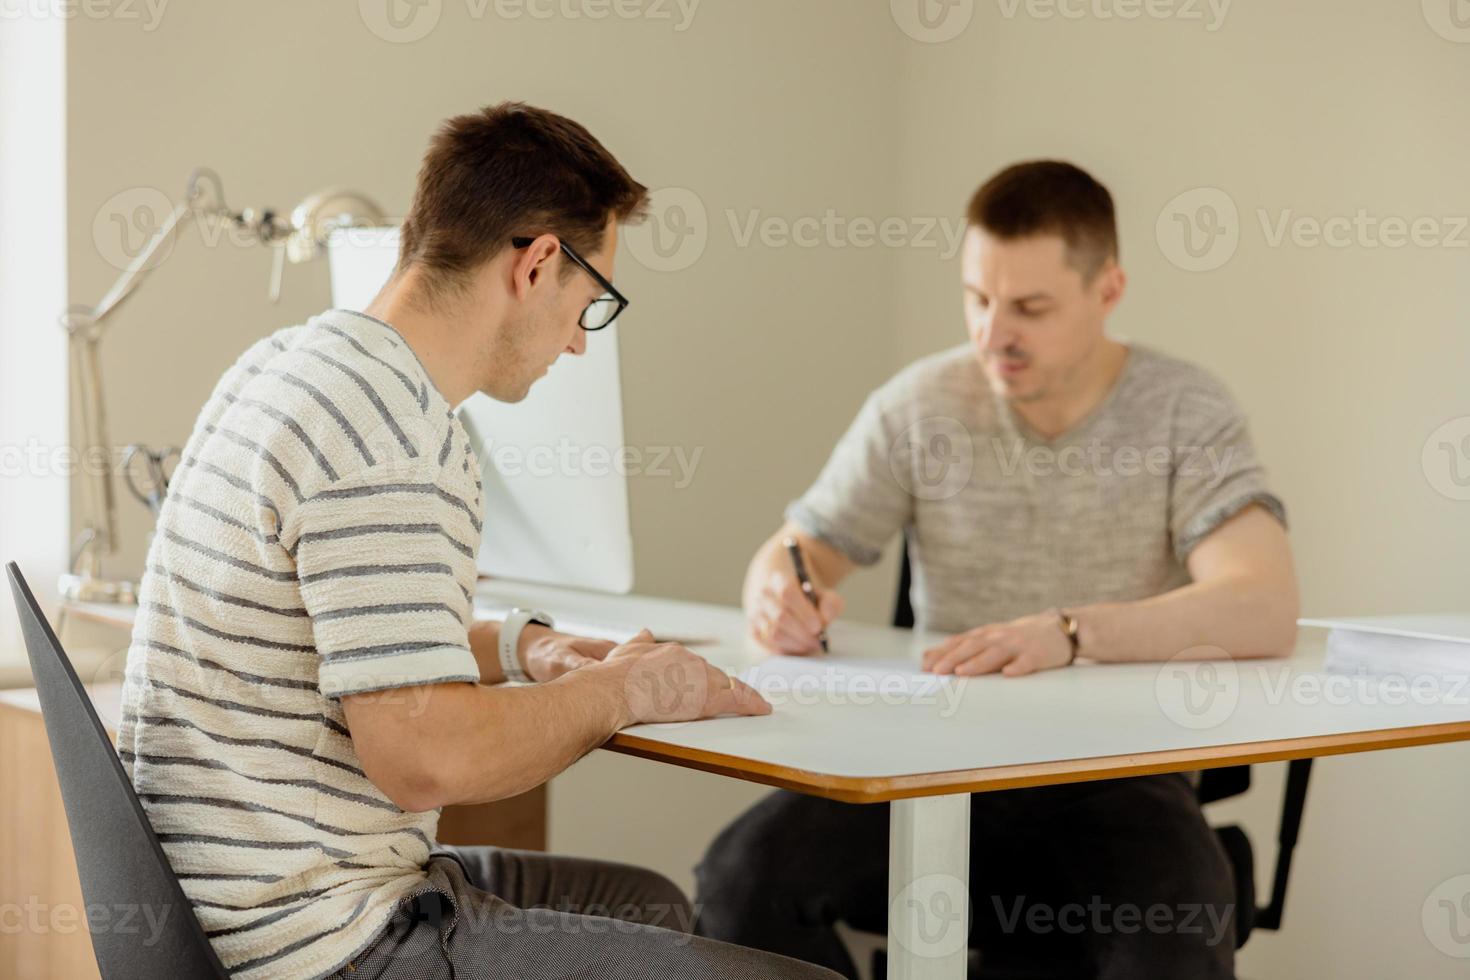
{"points": [[1346, 358], [752, 108]]}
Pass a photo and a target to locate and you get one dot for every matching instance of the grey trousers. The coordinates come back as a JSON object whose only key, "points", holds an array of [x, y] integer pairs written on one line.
{"points": [[522, 915]]}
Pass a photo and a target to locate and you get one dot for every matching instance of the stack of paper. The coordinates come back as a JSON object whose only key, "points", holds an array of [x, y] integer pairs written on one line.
{"points": [[1434, 645]]}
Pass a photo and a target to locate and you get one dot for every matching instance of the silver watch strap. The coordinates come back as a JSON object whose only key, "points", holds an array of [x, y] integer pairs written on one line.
{"points": [[510, 640]]}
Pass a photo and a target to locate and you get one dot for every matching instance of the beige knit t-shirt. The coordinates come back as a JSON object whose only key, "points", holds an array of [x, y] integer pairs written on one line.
{"points": [[1002, 523]]}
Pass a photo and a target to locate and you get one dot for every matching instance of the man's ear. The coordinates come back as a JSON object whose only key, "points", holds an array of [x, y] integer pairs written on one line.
{"points": [[1111, 283], [533, 264]]}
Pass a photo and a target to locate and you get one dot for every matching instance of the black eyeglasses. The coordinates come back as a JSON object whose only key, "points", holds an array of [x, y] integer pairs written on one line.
{"points": [[603, 310]]}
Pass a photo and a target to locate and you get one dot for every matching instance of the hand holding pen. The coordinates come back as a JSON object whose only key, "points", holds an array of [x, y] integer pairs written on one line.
{"points": [[789, 614], [798, 565]]}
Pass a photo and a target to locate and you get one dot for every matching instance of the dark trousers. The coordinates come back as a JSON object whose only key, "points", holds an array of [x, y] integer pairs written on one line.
{"points": [[486, 912], [1118, 879]]}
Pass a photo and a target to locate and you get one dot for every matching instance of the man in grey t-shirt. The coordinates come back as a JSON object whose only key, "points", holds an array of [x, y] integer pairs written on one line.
{"points": [[1062, 495]]}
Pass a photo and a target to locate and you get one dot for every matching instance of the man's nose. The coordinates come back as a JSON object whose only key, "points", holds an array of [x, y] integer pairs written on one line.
{"points": [[994, 334], [578, 346]]}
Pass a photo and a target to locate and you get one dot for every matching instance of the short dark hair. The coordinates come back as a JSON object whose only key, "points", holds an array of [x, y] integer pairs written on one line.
{"points": [[1050, 197], [510, 169]]}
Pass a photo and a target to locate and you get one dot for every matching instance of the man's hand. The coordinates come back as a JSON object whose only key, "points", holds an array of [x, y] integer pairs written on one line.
{"points": [[546, 654], [1022, 646], [783, 620], [666, 682]]}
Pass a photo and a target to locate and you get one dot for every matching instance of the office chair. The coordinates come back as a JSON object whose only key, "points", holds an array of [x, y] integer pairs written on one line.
{"points": [[119, 859], [1215, 784]]}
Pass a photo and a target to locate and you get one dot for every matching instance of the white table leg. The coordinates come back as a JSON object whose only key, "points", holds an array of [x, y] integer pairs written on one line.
{"points": [[928, 888]]}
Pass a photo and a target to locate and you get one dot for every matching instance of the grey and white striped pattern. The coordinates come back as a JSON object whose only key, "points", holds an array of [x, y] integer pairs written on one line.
{"points": [[318, 539]]}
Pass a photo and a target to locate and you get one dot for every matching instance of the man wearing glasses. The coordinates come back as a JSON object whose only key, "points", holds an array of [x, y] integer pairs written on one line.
{"points": [[306, 686]]}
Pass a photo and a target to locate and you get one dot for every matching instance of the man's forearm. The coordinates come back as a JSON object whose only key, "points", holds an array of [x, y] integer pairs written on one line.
{"points": [[1242, 616], [477, 744]]}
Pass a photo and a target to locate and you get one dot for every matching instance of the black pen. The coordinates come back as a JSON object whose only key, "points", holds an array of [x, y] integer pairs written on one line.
{"points": [[799, 563]]}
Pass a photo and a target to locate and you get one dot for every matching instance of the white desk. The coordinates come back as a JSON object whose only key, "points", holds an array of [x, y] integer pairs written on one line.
{"points": [[925, 747], [926, 752]]}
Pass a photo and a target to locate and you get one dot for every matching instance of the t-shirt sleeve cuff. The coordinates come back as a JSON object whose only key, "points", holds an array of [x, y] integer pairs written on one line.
{"points": [[403, 668], [1204, 523], [812, 523]]}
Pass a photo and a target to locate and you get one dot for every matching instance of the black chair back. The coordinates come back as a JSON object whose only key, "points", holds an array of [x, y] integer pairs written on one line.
{"points": [[141, 923]]}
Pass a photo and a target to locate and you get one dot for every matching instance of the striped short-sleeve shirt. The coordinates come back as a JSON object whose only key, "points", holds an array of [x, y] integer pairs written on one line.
{"points": [[318, 539]]}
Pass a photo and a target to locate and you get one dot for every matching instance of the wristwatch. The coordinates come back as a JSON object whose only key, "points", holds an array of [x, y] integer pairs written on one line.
{"points": [[510, 641], [1070, 627]]}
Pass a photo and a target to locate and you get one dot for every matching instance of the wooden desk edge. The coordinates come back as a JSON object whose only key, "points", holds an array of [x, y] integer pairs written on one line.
{"points": [[881, 789]]}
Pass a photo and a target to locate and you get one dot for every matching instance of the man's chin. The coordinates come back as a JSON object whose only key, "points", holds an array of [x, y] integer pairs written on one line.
{"points": [[509, 395], [1020, 388]]}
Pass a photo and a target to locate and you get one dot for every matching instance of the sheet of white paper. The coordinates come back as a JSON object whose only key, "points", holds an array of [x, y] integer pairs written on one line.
{"points": [[1453, 627], [887, 677]]}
